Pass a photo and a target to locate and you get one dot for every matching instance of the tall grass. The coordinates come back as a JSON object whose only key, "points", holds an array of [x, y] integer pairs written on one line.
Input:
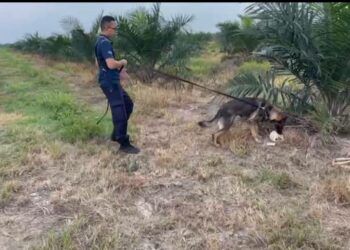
{"points": [[48, 104]]}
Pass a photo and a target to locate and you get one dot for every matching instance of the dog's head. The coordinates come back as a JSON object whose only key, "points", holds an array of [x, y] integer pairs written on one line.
{"points": [[278, 117], [267, 111]]}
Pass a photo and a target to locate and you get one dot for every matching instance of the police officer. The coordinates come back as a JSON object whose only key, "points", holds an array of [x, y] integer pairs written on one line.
{"points": [[109, 80]]}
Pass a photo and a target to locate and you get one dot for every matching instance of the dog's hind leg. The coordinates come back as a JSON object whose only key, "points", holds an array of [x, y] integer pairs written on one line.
{"points": [[224, 126], [217, 135]]}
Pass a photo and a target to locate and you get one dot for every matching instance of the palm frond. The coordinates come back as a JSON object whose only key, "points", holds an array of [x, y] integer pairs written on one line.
{"points": [[83, 45], [309, 40], [96, 24], [252, 85], [149, 40]]}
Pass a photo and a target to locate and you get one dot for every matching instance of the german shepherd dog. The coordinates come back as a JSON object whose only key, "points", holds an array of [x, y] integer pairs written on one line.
{"points": [[259, 111]]}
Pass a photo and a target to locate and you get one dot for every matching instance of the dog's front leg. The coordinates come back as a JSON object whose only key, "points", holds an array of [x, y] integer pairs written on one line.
{"points": [[254, 129], [214, 139]]}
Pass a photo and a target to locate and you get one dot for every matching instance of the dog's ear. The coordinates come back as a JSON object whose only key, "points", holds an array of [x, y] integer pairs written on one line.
{"points": [[262, 106], [275, 114]]}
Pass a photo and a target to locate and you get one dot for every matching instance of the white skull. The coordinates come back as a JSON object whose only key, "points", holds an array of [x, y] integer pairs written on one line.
{"points": [[274, 136]]}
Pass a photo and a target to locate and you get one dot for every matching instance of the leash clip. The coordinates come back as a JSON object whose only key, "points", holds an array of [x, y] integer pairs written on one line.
{"points": [[262, 106]]}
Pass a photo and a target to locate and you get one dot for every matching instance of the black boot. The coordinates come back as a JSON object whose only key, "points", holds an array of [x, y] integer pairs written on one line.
{"points": [[126, 147], [113, 136], [129, 149]]}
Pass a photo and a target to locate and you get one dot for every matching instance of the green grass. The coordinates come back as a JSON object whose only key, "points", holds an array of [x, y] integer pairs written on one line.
{"points": [[48, 103], [260, 68], [69, 238], [204, 64], [294, 232], [16, 142], [254, 67], [47, 109], [280, 180], [64, 67], [61, 240]]}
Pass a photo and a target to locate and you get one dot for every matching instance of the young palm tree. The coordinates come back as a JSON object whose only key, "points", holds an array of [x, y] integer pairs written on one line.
{"points": [[31, 43], [225, 36], [237, 37], [149, 41], [82, 42], [310, 41]]}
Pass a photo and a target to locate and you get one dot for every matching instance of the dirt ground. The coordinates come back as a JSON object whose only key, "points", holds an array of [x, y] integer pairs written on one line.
{"points": [[180, 192]]}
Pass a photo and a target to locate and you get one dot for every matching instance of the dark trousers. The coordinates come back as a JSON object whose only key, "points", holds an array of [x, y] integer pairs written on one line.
{"points": [[121, 107]]}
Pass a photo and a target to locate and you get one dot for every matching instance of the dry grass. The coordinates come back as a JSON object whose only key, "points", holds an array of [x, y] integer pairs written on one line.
{"points": [[288, 229], [185, 194], [8, 188], [6, 118], [241, 140], [280, 180], [56, 149], [152, 99], [296, 137], [149, 98], [335, 190], [98, 237], [238, 139]]}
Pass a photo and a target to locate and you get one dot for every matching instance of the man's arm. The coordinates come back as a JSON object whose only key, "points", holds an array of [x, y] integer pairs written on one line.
{"points": [[114, 64], [107, 54]]}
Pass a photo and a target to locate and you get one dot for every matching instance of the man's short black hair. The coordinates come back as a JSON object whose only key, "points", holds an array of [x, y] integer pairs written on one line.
{"points": [[105, 21]]}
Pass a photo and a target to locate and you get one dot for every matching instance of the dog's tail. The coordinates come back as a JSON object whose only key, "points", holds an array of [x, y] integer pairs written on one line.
{"points": [[209, 123]]}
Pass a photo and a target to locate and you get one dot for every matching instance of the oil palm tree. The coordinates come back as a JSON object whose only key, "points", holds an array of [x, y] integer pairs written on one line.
{"points": [[237, 37], [149, 41], [82, 42], [309, 41]]}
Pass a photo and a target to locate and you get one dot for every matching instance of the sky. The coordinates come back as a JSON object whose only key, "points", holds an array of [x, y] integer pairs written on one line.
{"points": [[19, 19]]}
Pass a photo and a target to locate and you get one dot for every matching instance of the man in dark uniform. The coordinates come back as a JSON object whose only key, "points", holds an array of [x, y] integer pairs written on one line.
{"points": [[109, 79]]}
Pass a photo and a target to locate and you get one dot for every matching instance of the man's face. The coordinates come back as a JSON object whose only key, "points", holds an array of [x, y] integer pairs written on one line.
{"points": [[112, 29]]}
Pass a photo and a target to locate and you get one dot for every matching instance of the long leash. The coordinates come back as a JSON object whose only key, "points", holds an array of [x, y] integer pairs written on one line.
{"points": [[198, 85], [206, 88], [103, 114], [220, 93], [195, 84], [301, 119]]}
